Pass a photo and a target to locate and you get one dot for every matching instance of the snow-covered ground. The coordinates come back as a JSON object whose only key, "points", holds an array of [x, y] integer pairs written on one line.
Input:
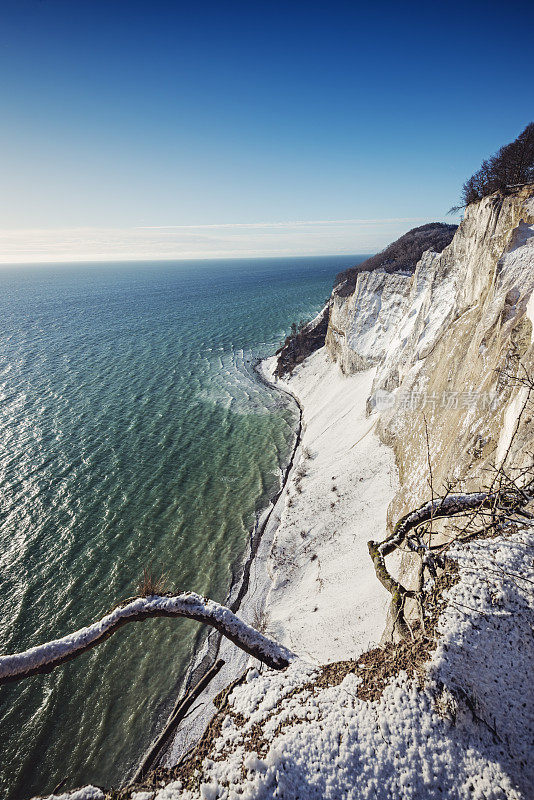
{"points": [[312, 581], [325, 602], [465, 733]]}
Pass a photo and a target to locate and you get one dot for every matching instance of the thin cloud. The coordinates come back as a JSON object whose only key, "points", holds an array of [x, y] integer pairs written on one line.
{"points": [[290, 224], [226, 240]]}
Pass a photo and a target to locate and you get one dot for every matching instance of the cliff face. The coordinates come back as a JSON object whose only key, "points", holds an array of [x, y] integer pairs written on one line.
{"points": [[401, 255], [370, 300], [384, 282], [446, 342], [361, 325]]}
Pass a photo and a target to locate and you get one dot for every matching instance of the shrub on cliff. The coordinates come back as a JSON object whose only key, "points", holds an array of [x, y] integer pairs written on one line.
{"points": [[510, 167], [303, 340]]}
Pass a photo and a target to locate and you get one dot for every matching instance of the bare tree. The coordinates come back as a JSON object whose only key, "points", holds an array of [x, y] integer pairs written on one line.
{"points": [[510, 167], [502, 502]]}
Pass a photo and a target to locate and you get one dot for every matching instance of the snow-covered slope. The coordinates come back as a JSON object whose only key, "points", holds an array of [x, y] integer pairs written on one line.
{"points": [[324, 598], [312, 734]]}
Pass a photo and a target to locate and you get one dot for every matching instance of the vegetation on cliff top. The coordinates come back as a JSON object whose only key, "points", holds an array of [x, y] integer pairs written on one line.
{"points": [[303, 340], [510, 167]]}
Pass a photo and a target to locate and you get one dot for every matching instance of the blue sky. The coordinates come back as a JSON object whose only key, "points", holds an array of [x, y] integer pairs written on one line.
{"points": [[120, 116]]}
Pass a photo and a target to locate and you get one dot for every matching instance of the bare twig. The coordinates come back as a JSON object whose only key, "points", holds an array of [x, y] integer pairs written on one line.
{"points": [[501, 505]]}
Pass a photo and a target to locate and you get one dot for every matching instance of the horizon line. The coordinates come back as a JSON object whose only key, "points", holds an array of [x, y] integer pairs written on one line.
{"points": [[138, 260], [294, 223], [203, 242]]}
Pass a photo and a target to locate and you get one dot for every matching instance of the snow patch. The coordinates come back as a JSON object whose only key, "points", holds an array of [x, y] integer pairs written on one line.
{"points": [[87, 793], [325, 602], [511, 417]]}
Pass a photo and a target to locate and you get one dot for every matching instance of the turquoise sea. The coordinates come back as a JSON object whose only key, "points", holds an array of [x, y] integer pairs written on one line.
{"points": [[133, 433]]}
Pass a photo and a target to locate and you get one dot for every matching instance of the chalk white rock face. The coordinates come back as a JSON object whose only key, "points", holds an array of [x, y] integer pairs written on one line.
{"points": [[429, 308], [392, 319], [488, 265], [453, 329], [395, 320], [361, 325]]}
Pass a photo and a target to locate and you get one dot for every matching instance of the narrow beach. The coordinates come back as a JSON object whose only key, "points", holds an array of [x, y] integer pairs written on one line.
{"points": [[325, 602], [309, 580]]}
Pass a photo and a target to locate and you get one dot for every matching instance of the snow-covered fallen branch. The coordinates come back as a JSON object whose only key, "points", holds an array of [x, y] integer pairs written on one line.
{"points": [[45, 657]]}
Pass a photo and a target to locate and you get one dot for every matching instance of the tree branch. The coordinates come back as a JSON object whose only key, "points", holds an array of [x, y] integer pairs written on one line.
{"points": [[46, 657], [447, 506], [507, 501]]}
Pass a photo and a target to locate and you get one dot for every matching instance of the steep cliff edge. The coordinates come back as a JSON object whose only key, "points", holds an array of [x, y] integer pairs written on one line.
{"points": [[399, 259], [445, 341], [368, 301]]}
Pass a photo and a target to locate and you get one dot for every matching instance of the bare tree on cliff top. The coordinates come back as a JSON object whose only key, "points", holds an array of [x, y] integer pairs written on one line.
{"points": [[510, 167]]}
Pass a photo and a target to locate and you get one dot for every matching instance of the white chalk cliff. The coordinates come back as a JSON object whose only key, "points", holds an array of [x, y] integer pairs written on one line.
{"points": [[442, 340]]}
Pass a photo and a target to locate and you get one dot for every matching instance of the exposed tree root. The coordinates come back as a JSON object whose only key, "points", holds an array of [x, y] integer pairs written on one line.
{"points": [[493, 507]]}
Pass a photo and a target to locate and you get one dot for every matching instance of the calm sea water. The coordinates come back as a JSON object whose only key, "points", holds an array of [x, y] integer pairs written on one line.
{"points": [[133, 432]]}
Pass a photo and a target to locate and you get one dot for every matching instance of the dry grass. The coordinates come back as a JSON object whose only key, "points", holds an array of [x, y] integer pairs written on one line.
{"points": [[260, 619], [152, 584]]}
